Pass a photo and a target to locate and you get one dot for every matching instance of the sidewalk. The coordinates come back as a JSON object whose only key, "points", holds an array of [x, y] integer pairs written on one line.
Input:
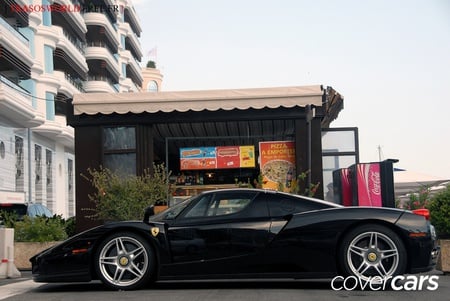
{"points": [[16, 286], [25, 275]]}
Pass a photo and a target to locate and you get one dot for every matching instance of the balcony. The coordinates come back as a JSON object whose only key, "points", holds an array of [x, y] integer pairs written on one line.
{"points": [[98, 19], [132, 41], [22, 17], [67, 136], [99, 51], [100, 84], [131, 18], [76, 18], [127, 85], [68, 84], [133, 65], [57, 130], [14, 41], [73, 51], [16, 105]]}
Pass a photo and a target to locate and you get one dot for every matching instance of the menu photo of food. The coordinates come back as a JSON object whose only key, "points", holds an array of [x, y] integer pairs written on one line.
{"points": [[195, 158], [279, 171], [220, 157], [277, 163]]}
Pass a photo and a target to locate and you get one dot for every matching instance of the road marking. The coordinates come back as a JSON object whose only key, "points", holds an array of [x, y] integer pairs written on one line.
{"points": [[17, 288]]}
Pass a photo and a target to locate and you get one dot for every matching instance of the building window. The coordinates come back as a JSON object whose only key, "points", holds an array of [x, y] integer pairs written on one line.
{"points": [[38, 173], [50, 105], [19, 163], [70, 184], [46, 14], [2, 150], [152, 86], [49, 182], [124, 70], [122, 41], [48, 57], [119, 149]]}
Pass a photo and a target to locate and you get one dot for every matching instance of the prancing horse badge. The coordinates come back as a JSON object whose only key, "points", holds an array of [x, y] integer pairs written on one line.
{"points": [[155, 231]]}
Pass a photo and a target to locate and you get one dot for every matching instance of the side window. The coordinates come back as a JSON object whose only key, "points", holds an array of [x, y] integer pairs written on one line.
{"points": [[281, 206], [285, 205], [220, 204], [228, 206], [200, 208]]}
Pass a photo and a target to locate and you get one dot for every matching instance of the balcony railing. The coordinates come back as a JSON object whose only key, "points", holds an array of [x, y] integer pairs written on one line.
{"points": [[76, 42], [103, 79], [24, 93], [102, 45], [76, 82], [14, 31]]}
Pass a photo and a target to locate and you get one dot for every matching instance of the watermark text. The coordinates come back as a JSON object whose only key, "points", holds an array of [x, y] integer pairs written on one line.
{"points": [[63, 8], [378, 283]]}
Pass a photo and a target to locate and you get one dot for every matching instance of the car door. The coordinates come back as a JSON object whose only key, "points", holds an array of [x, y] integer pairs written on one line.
{"points": [[196, 235], [211, 230], [250, 231], [294, 250]]}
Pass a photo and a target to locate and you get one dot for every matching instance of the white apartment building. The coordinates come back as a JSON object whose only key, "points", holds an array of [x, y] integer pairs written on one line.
{"points": [[47, 56]]}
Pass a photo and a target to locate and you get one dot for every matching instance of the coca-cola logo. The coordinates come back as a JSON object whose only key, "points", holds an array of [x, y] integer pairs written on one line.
{"points": [[376, 182]]}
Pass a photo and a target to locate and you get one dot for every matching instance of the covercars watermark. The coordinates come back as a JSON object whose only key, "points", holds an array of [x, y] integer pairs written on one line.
{"points": [[378, 283]]}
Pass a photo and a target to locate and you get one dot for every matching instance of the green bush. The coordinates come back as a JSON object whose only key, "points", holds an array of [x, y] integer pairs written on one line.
{"points": [[69, 226], [118, 198], [7, 219], [440, 212], [416, 200], [40, 229]]}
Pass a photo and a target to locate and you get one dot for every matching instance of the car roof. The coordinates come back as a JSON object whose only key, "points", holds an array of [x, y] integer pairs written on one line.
{"points": [[275, 192]]}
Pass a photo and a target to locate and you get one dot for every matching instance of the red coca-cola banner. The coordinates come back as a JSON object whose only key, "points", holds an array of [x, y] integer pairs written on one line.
{"points": [[368, 181]]}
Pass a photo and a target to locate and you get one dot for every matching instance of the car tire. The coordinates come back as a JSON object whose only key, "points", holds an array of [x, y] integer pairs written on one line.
{"points": [[125, 261], [372, 250]]}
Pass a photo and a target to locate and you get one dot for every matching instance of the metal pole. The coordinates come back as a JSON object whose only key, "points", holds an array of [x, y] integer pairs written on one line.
{"points": [[309, 117], [167, 169], [30, 200]]}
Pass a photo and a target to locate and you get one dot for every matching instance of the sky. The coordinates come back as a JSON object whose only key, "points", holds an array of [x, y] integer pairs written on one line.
{"points": [[390, 60]]}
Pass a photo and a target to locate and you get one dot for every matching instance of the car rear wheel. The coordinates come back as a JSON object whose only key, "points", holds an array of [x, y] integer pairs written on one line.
{"points": [[125, 261], [372, 250]]}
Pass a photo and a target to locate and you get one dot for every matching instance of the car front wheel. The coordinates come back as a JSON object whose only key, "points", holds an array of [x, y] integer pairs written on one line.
{"points": [[125, 261], [372, 250]]}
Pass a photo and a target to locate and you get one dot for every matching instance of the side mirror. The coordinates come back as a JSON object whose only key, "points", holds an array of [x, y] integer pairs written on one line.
{"points": [[149, 211]]}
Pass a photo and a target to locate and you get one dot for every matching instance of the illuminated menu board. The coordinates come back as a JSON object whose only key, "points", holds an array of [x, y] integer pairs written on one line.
{"points": [[220, 157]]}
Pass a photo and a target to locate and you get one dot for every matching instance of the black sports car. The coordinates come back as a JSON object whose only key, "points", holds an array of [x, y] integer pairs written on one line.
{"points": [[245, 233]]}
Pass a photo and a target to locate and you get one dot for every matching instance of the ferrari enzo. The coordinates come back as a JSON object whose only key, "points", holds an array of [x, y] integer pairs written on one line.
{"points": [[244, 233]]}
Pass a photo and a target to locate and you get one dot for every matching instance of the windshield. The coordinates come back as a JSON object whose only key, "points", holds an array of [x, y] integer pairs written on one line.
{"points": [[171, 212]]}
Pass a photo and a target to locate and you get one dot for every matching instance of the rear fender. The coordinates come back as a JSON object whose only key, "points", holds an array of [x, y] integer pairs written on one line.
{"points": [[344, 216]]}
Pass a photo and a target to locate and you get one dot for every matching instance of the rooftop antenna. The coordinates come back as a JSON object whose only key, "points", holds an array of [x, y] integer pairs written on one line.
{"points": [[379, 153]]}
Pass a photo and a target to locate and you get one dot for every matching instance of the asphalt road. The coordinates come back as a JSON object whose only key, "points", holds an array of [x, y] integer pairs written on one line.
{"points": [[25, 289]]}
